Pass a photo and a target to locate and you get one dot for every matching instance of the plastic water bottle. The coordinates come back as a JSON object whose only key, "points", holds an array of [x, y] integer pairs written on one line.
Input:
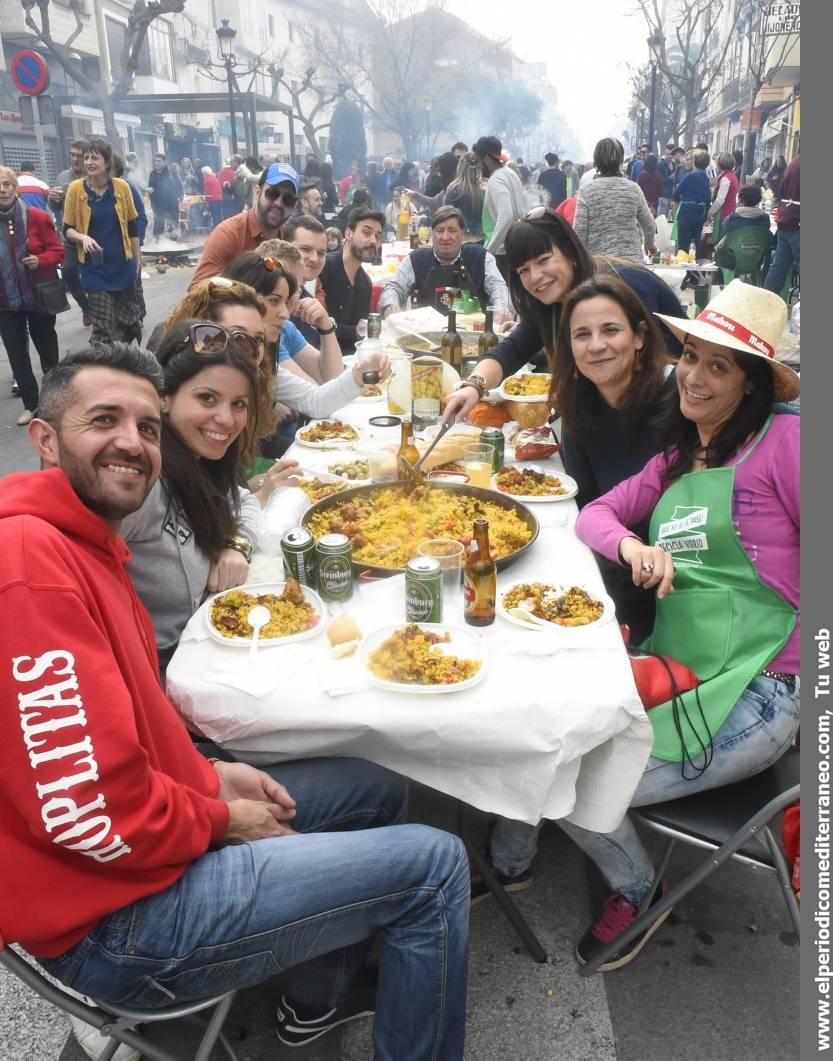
{"points": [[692, 251]]}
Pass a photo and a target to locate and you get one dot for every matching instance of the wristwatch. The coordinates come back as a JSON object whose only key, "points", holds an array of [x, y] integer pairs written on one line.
{"points": [[479, 384], [328, 331], [242, 545]]}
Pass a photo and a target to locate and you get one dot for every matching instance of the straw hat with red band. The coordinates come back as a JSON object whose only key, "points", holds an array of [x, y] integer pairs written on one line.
{"points": [[746, 318]]}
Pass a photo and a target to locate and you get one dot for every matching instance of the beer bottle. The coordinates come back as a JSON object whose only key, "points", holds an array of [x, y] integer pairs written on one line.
{"points": [[403, 227], [451, 350], [407, 449], [479, 579], [487, 338]]}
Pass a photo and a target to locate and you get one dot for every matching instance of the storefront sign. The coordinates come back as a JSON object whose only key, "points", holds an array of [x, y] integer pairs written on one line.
{"points": [[780, 19]]}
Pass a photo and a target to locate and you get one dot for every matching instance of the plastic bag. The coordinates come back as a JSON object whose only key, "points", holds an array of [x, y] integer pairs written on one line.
{"points": [[663, 241]]}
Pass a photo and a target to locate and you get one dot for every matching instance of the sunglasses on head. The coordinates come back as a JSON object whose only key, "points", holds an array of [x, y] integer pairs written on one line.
{"points": [[537, 212], [288, 198], [207, 339], [273, 265]]}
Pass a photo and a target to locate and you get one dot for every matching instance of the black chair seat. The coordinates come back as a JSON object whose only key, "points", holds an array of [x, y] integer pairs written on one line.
{"points": [[716, 815]]}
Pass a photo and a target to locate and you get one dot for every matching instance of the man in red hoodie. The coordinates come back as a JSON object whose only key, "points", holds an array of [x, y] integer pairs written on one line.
{"points": [[143, 872]]}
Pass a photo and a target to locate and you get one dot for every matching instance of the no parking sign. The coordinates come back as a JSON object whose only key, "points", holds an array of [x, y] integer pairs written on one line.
{"points": [[30, 72]]}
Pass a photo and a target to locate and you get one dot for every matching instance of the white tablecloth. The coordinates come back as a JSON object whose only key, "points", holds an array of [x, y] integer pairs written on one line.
{"points": [[555, 729]]}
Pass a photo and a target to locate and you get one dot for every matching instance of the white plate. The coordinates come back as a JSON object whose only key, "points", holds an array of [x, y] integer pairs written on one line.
{"points": [[334, 443], [541, 624], [464, 643], [524, 397], [534, 499], [269, 587]]}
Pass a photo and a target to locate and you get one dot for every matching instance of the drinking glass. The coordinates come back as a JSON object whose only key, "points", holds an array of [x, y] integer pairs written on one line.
{"points": [[450, 554], [477, 461]]}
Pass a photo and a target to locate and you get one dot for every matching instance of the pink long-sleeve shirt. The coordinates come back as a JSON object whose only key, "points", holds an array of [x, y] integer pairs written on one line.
{"points": [[766, 509]]}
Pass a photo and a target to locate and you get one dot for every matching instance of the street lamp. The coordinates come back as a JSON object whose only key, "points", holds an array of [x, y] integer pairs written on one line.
{"points": [[427, 129], [655, 46], [225, 39]]}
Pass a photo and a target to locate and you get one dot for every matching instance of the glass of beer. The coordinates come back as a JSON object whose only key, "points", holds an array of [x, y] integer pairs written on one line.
{"points": [[477, 462]]}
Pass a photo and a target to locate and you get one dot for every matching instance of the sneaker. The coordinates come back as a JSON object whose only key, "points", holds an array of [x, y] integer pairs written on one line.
{"points": [[480, 889], [617, 916], [92, 1042], [15, 390], [26, 417], [295, 1030]]}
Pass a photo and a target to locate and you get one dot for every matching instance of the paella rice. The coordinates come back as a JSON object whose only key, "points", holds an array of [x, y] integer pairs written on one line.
{"points": [[564, 607], [328, 431], [289, 613], [385, 527], [528, 384], [316, 488], [410, 657], [528, 482]]}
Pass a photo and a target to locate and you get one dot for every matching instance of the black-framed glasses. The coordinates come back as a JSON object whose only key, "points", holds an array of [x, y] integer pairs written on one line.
{"points": [[288, 198], [206, 339]]}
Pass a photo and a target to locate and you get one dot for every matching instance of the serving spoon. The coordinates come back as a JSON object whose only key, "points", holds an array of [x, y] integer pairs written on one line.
{"points": [[257, 618]]}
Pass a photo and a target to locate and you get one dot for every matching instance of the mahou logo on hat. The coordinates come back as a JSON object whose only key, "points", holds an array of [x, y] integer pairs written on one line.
{"points": [[745, 318]]}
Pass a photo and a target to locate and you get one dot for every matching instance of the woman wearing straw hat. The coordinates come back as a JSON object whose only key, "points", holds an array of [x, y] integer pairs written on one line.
{"points": [[722, 553]]}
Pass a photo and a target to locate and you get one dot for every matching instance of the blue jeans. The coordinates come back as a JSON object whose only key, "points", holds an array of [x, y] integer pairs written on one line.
{"points": [[787, 255], [690, 226], [241, 914], [759, 729]]}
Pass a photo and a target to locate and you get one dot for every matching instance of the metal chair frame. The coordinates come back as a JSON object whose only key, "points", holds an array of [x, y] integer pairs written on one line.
{"points": [[118, 1022], [755, 828]]}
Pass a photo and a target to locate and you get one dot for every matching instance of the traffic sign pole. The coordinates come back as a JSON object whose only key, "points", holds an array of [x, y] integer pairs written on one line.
{"points": [[39, 138]]}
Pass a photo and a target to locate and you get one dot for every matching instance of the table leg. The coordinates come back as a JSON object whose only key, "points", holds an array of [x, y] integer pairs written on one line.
{"points": [[504, 901]]}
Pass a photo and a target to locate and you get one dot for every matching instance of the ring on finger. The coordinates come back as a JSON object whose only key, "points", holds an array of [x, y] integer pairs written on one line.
{"points": [[648, 567]]}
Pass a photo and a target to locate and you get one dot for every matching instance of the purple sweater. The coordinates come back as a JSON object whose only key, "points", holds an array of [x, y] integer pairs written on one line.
{"points": [[767, 514]]}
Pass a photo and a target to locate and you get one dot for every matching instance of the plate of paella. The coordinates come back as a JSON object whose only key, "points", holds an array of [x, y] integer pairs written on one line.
{"points": [[424, 658], [526, 387], [544, 605], [327, 434], [295, 614], [531, 484]]}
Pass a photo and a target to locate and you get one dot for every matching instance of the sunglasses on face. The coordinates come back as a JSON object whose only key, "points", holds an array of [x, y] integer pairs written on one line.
{"points": [[208, 339], [274, 194]]}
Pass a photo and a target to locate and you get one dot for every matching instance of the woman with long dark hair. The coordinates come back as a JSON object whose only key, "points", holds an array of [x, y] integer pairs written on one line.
{"points": [[722, 552], [467, 194], [196, 530], [546, 261]]}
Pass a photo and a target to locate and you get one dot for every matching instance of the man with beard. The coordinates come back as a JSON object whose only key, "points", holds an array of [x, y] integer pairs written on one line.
{"points": [[347, 285], [150, 870], [275, 197], [311, 202]]}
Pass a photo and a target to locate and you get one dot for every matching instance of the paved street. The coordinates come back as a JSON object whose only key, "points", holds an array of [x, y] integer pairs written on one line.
{"points": [[719, 980]]}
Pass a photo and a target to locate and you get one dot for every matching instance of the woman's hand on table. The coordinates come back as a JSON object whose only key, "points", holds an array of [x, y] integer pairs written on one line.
{"points": [[284, 472], [231, 568], [650, 567]]}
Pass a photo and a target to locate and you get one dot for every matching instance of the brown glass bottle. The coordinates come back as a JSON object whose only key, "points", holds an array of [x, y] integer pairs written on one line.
{"points": [[452, 345], [487, 338], [479, 579], [407, 449]]}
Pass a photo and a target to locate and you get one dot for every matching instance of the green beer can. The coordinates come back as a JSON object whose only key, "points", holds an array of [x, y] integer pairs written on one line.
{"points": [[493, 437], [298, 548], [424, 590], [334, 554]]}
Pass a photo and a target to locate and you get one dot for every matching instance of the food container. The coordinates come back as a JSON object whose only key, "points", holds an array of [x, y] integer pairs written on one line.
{"points": [[381, 460], [528, 413]]}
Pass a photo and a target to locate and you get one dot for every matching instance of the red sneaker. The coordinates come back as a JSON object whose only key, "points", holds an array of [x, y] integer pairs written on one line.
{"points": [[617, 916]]}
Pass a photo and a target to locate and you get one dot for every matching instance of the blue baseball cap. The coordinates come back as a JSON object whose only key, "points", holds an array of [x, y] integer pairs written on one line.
{"points": [[280, 173]]}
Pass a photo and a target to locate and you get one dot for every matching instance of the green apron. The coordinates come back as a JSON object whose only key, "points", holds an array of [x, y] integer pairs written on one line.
{"points": [[721, 620]]}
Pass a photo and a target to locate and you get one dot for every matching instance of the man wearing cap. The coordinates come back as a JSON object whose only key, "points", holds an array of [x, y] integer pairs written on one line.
{"points": [[275, 197], [504, 201], [447, 263]]}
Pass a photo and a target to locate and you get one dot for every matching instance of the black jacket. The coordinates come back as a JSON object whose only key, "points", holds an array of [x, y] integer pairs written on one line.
{"points": [[347, 303]]}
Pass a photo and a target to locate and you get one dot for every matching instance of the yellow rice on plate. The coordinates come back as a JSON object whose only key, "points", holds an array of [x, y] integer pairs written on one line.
{"points": [[290, 613]]}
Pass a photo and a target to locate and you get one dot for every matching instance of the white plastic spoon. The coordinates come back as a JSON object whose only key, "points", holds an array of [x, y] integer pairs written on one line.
{"points": [[257, 618]]}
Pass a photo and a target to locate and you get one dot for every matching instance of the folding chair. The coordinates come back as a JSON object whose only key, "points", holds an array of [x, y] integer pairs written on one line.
{"points": [[118, 1023], [749, 249], [734, 822]]}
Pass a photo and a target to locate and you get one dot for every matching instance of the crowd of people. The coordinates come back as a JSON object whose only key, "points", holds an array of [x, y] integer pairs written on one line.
{"points": [[155, 872]]}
